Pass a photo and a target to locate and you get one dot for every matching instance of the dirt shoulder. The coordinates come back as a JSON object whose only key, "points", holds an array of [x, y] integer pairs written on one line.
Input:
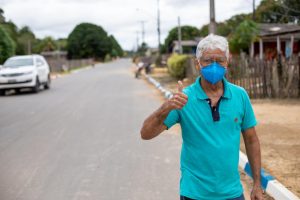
{"points": [[278, 131], [279, 134]]}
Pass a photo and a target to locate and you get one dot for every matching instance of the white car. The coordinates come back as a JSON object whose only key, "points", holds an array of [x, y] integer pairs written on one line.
{"points": [[30, 71]]}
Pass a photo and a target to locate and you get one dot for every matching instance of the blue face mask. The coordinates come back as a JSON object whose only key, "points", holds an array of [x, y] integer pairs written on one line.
{"points": [[213, 73]]}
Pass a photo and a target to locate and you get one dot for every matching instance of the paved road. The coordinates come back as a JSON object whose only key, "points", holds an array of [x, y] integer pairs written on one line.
{"points": [[80, 140]]}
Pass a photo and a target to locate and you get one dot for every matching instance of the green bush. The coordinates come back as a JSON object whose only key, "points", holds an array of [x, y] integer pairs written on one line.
{"points": [[107, 58], [177, 65]]}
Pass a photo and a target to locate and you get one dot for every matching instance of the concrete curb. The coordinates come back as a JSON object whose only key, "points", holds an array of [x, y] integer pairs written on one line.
{"points": [[268, 182], [273, 187]]}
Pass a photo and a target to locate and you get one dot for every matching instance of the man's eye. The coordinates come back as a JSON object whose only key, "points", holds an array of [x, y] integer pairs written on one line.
{"points": [[221, 60], [207, 60]]}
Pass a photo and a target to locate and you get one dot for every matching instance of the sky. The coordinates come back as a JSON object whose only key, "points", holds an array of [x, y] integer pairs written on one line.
{"points": [[121, 18]]}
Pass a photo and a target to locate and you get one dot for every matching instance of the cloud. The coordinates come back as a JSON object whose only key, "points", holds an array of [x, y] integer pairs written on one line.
{"points": [[58, 18]]}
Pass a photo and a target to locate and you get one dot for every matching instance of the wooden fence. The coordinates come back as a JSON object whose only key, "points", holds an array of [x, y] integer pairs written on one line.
{"points": [[63, 64], [279, 78]]}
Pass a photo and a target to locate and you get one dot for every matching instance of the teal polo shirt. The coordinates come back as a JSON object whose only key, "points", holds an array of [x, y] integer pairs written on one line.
{"points": [[210, 147]]}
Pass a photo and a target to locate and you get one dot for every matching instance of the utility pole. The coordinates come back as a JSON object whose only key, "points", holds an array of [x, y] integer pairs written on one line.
{"points": [[212, 24], [143, 30], [158, 26], [253, 14], [137, 40], [179, 36], [28, 47]]}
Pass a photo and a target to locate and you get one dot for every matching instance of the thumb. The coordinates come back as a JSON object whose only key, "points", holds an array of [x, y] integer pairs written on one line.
{"points": [[180, 86]]}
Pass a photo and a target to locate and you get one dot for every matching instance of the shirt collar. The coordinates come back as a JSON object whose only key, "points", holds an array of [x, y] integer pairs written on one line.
{"points": [[202, 95]]}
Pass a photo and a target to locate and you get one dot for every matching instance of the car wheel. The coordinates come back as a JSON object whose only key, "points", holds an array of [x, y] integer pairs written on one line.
{"points": [[47, 84], [2, 92], [36, 88], [18, 91]]}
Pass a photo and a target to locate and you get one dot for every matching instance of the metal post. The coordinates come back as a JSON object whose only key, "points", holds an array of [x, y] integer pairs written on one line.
{"points": [[143, 31], [253, 14], [158, 26], [212, 24], [137, 41], [179, 36]]}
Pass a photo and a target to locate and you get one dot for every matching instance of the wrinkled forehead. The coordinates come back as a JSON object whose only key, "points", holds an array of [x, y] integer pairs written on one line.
{"points": [[213, 53]]}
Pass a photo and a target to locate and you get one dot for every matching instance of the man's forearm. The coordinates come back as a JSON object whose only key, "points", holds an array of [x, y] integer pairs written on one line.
{"points": [[153, 125], [254, 156]]}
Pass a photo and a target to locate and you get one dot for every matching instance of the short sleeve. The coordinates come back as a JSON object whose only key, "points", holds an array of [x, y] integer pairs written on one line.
{"points": [[249, 119], [172, 118]]}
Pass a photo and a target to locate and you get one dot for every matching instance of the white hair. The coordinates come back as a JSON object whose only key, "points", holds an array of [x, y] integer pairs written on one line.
{"points": [[212, 42]]}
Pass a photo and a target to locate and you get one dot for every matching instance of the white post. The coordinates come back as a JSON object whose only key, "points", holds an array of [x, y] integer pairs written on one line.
{"points": [[278, 45], [252, 50], [292, 45], [261, 49]]}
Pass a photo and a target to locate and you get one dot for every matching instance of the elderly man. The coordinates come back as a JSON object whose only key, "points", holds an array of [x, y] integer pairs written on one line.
{"points": [[212, 113]]}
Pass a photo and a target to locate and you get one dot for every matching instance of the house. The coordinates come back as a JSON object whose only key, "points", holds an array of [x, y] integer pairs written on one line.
{"points": [[275, 39], [188, 46]]}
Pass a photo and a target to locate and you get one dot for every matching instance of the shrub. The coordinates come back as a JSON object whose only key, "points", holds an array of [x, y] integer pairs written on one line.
{"points": [[177, 65], [107, 58]]}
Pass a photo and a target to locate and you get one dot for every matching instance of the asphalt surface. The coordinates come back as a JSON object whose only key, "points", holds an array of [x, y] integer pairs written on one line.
{"points": [[81, 140]]}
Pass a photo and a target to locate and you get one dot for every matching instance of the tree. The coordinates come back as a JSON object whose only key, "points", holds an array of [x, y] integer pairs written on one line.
{"points": [[244, 34], [270, 12], [227, 27], [7, 45], [204, 30], [282, 11], [46, 44], [293, 7], [88, 40], [62, 44], [11, 29], [187, 33], [116, 48], [2, 18], [25, 41], [142, 49]]}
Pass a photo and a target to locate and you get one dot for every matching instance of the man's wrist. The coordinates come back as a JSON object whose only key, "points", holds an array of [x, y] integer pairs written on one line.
{"points": [[256, 184], [163, 110]]}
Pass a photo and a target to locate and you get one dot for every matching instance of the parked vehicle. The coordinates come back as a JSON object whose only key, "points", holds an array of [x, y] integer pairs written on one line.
{"points": [[30, 71]]}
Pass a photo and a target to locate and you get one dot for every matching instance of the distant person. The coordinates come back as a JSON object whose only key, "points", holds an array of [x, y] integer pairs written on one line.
{"points": [[212, 113], [147, 64], [140, 67]]}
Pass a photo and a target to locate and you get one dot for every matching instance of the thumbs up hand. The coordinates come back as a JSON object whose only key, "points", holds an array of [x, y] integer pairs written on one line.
{"points": [[178, 100], [180, 86]]}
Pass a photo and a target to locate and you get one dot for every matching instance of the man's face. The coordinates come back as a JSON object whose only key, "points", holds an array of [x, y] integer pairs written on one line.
{"points": [[211, 56]]}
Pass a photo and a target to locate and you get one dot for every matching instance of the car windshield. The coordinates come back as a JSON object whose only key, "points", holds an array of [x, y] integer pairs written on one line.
{"points": [[18, 62]]}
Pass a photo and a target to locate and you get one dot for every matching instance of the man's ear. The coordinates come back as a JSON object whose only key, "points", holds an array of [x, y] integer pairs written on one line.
{"points": [[229, 59], [197, 64]]}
